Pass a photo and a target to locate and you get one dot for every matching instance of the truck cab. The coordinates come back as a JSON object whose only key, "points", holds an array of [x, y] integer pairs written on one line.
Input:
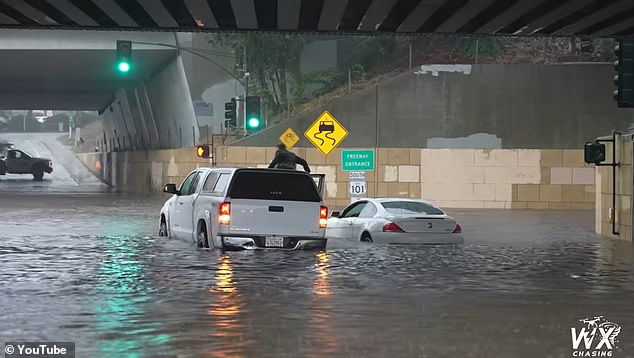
{"points": [[16, 161], [246, 208]]}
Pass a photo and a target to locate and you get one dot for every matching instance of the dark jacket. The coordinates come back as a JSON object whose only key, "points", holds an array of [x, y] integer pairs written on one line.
{"points": [[285, 159]]}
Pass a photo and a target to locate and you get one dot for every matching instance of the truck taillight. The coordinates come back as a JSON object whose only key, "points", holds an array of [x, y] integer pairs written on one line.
{"points": [[224, 213], [323, 217]]}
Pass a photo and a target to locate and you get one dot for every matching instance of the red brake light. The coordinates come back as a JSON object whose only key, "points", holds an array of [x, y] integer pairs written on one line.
{"points": [[457, 229], [224, 213], [323, 217], [392, 227]]}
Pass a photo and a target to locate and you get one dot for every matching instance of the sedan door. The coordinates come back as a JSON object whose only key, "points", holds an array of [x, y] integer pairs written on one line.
{"points": [[363, 221], [341, 227]]}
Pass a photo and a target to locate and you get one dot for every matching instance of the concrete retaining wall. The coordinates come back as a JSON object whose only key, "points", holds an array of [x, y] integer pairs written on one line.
{"points": [[455, 178], [518, 106]]}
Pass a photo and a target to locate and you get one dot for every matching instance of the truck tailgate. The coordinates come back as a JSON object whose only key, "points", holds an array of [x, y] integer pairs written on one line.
{"points": [[275, 218]]}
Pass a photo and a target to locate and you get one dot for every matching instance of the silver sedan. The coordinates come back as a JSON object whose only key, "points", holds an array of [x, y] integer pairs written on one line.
{"points": [[394, 221]]}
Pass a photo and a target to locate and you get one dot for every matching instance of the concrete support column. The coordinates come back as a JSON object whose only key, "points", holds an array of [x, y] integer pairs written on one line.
{"points": [[160, 109]]}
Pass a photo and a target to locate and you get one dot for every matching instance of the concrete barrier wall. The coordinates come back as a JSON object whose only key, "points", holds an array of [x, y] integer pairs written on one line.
{"points": [[453, 178]]}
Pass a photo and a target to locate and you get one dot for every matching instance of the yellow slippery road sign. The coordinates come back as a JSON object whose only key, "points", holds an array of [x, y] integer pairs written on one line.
{"points": [[289, 138], [326, 133]]}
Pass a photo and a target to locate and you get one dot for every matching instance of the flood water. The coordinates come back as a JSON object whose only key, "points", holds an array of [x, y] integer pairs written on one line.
{"points": [[89, 268]]}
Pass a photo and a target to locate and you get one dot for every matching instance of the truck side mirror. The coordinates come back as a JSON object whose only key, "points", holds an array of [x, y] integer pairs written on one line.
{"points": [[334, 214], [170, 188], [594, 152]]}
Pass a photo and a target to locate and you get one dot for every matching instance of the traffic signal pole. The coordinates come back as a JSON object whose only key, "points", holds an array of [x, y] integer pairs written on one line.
{"points": [[193, 52], [624, 78]]}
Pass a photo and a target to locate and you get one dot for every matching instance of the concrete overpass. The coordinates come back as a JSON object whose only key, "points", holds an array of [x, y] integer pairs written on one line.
{"points": [[74, 70], [507, 17]]}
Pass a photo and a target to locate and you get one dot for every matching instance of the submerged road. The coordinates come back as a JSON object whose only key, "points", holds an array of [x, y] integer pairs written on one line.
{"points": [[79, 263]]}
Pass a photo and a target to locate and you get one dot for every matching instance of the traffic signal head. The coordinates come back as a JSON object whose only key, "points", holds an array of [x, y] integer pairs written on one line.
{"points": [[624, 79], [230, 112], [203, 151], [594, 152], [254, 117], [124, 56]]}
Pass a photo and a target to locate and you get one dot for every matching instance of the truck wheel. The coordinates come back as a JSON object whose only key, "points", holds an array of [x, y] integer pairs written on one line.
{"points": [[38, 173], [163, 228], [201, 238]]}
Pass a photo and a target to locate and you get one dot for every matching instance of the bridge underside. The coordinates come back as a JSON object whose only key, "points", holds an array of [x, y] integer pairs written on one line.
{"points": [[501, 17], [69, 79]]}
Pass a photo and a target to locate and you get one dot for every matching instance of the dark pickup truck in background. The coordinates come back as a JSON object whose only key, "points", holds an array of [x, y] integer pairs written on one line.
{"points": [[15, 161]]}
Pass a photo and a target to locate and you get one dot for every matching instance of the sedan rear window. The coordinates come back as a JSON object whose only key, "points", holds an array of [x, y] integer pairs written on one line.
{"points": [[269, 185], [410, 207]]}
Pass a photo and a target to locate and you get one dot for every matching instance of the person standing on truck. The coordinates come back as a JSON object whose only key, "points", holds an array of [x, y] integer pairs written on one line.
{"points": [[285, 159]]}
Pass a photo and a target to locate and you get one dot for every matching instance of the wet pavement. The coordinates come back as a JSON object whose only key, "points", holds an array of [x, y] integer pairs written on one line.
{"points": [[86, 266]]}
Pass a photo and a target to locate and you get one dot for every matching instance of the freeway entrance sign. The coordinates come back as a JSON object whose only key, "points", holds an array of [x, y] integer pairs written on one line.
{"points": [[357, 160]]}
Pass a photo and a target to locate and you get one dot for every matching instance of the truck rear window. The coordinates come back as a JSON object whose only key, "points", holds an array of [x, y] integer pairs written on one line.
{"points": [[268, 185]]}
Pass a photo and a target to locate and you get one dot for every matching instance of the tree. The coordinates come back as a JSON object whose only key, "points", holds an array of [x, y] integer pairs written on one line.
{"points": [[269, 59]]}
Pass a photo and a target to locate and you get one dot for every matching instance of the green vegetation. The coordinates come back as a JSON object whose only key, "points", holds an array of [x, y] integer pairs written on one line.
{"points": [[273, 60], [270, 58], [481, 48]]}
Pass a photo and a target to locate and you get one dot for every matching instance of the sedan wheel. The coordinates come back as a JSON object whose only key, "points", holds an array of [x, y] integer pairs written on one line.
{"points": [[365, 237]]}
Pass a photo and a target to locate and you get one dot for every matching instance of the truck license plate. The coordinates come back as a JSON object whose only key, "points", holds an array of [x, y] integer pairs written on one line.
{"points": [[274, 242]]}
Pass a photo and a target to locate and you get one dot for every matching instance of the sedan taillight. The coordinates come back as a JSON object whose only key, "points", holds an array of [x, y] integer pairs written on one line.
{"points": [[392, 227], [457, 229]]}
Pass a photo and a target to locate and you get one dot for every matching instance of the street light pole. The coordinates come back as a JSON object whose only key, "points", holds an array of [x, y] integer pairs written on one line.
{"points": [[246, 88]]}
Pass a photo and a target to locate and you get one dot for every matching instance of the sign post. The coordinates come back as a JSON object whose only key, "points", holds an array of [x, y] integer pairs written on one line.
{"points": [[71, 125]]}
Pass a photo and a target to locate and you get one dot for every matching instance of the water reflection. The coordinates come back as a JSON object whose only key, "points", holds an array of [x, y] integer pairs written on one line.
{"points": [[228, 330], [612, 266], [122, 292], [322, 340], [322, 284]]}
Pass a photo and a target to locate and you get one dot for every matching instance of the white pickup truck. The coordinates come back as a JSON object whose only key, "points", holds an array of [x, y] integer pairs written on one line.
{"points": [[246, 208]]}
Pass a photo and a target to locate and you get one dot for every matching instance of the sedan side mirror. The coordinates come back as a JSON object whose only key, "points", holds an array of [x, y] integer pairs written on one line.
{"points": [[334, 214], [170, 188]]}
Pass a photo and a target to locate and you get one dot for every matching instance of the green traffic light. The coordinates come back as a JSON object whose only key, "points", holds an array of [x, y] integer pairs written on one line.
{"points": [[253, 122], [123, 67]]}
